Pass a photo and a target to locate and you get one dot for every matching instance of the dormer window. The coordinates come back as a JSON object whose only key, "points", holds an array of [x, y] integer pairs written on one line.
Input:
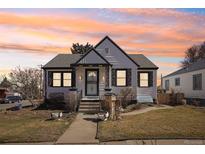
{"points": [[107, 50]]}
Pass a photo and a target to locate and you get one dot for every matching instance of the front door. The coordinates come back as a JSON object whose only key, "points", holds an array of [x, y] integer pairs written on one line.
{"points": [[91, 82]]}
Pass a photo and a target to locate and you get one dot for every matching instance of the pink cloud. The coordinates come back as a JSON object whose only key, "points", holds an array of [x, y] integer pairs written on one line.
{"points": [[58, 30]]}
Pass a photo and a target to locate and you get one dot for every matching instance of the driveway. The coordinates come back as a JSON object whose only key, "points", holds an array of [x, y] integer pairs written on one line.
{"points": [[7, 106], [82, 131]]}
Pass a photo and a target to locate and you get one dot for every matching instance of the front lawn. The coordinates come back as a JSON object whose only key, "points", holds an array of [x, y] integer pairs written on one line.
{"points": [[178, 122], [29, 125]]}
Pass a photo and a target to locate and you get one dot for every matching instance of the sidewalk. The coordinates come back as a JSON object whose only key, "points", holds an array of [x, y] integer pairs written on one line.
{"points": [[81, 131], [157, 142]]}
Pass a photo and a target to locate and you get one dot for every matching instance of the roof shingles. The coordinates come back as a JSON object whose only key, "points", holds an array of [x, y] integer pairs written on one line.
{"points": [[65, 60], [200, 64], [62, 61]]}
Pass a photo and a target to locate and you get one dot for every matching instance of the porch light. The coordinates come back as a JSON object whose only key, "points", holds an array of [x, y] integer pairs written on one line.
{"points": [[103, 78], [80, 77]]}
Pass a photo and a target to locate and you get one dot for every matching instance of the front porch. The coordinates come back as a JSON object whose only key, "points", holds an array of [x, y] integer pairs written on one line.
{"points": [[92, 81]]}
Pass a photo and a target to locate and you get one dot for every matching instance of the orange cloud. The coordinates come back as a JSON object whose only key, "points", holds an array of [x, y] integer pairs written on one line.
{"points": [[35, 48], [167, 64], [70, 28]]}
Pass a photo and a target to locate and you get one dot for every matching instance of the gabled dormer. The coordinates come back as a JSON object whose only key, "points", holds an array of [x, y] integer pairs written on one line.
{"points": [[92, 57]]}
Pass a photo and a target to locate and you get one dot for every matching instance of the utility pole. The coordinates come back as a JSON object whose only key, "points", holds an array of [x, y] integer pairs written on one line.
{"points": [[41, 80], [161, 82]]}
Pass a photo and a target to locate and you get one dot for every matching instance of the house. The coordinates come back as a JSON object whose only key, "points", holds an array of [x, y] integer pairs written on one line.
{"points": [[3, 92], [188, 80], [106, 67]]}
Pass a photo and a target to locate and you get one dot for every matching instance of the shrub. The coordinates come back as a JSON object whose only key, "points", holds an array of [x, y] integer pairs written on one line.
{"points": [[104, 104], [55, 101], [126, 96], [56, 97], [71, 101]]}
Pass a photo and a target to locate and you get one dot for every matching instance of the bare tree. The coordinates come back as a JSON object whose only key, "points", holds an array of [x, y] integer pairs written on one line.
{"points": [[27, 82], [193, 54]]}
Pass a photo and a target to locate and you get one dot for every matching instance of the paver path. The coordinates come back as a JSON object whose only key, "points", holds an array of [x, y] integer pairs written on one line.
{"points": [[81, 131], [146, 110]]}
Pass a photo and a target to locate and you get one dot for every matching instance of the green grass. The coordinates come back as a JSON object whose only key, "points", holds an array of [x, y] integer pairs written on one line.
{"points": [[29, 125], [179, 122]]}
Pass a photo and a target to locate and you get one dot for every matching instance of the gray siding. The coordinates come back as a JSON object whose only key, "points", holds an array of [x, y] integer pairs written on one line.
{"points": [[48, 89], [92, 58], [118, 60], [150, 91]]}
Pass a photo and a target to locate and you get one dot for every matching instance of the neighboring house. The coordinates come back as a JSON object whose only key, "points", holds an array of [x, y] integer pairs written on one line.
{"points": [[189, 80], [3, 92], [104, 68]]}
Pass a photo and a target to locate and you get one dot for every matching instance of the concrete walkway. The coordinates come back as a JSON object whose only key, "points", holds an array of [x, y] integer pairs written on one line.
{"points": [[146, 110], [81, 131]]}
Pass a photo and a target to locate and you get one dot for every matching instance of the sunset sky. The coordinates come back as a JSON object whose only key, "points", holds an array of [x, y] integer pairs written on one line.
{"points": [[30, 37]]}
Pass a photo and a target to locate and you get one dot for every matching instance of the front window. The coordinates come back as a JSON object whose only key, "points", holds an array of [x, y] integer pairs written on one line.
{"points": [[121, 77], [66, 79], [197, 82], [62, 79], [144, 79], [56, 79]]}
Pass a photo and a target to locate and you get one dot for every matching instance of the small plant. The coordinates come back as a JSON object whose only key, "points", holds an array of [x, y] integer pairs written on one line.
{"points": [[126, 96]]}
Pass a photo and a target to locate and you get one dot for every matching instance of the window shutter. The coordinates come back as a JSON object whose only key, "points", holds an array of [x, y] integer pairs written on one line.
{"points": [[138, 78], [106, 76], [73, 76], [50, 79], [150, 79], [113, 77], [194, 82], [129, 77]]}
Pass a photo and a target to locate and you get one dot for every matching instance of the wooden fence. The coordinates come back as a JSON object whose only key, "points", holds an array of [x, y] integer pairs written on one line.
{"points": [[170, 99]]}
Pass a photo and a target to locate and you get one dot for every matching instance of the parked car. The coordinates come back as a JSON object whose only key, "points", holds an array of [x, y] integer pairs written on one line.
{"points": [[12, 99]]}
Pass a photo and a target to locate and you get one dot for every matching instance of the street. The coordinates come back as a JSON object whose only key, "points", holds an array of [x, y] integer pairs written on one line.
{"points": [[7, 106]]}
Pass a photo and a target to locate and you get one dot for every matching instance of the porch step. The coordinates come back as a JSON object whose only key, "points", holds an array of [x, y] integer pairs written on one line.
{"points": [[89, 103], [89, 107], [90, 100]]}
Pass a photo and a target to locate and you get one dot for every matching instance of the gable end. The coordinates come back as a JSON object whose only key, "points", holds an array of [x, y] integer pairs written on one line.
{"points": [[107, 37], [90, 52]]}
